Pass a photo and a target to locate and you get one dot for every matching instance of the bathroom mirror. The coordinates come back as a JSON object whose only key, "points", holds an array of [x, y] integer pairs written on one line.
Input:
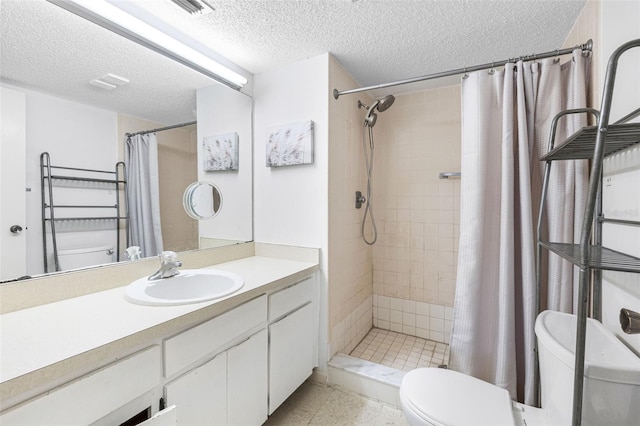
{"points": [[50, 56], [202, 200]]}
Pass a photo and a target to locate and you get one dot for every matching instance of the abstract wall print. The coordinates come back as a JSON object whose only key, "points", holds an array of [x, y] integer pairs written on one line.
{"points": [[290, 145], [220, 152]]}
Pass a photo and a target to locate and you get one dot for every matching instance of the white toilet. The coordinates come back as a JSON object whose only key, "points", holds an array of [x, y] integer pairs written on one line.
{"points": [[434, 396], [85, 256]]}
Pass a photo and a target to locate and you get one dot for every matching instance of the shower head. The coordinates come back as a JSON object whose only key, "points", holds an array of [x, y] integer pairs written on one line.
{"points": [[385, 103], [381, 105]]}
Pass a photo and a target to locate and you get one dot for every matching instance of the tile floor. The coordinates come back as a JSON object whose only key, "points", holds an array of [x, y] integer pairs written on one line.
{"points": [[316, 404], [400, 351]]}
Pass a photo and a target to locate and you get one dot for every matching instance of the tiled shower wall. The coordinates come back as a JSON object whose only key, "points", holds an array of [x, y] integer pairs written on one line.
{"points": [[350, 259], [416, 255], [420, 319], [414, 260], [177, 163]]}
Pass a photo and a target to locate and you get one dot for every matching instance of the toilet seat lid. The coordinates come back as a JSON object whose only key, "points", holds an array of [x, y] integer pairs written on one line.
{"points": [[446, 397]]}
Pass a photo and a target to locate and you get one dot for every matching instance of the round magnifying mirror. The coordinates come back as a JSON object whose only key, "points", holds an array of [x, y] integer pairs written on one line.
{"points": [[202, 200]]}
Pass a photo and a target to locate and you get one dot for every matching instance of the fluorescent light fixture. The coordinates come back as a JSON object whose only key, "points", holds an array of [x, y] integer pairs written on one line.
{"points": [[117, 20]]}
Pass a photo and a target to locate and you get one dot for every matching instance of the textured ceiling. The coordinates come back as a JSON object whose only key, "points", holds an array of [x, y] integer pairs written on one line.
{"points": [[377, 41], [45, 48]]}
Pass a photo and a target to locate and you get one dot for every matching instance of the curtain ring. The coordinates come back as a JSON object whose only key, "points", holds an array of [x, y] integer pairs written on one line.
{"points": [[557, 58], [465, 76], [492, 70]]}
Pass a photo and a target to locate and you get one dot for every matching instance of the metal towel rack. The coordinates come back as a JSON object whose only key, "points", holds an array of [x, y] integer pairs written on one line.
{"points": [[115, 180], [594, 143]]}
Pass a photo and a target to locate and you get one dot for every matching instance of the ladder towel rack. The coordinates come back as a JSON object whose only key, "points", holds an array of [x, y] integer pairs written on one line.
{"points": [[114, 180]]}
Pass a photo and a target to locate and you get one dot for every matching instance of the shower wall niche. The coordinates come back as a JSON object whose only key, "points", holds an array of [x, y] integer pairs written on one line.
{"points": [[418, 214]]}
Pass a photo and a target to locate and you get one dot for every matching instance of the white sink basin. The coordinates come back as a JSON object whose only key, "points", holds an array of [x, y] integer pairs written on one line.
{"points": [[190, 286]]}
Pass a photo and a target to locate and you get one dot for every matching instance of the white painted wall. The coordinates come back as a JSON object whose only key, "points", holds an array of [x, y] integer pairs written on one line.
{"points": [[291, 203], [621, 197], [222, 110], [75, 135]]}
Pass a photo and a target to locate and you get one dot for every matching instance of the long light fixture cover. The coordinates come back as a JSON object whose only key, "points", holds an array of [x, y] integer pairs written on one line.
{"points": [[117, 20]]}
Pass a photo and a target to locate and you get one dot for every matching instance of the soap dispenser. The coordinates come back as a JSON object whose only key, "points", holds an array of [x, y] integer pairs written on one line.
{"points": [[133, 252]]}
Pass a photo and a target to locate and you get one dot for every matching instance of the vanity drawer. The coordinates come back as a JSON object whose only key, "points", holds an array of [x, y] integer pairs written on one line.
{"points": [[291, 298], [186, 348], [93, 396]]}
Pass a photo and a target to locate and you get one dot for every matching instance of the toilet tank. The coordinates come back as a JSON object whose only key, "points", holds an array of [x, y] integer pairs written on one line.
{"points": [[611, 393], [84, 256]]}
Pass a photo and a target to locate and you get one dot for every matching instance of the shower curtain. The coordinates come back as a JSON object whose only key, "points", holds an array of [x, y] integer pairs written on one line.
{"points": [[143, 193], [506, 117]]}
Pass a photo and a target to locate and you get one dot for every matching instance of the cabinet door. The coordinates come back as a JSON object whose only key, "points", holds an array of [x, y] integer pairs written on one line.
{"points": [[201, 394], [291, 349], [247, 381]]}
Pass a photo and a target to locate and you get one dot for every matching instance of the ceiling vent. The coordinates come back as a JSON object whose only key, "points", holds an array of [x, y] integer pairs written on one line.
{"points": [[195, 7], [109, 81]]}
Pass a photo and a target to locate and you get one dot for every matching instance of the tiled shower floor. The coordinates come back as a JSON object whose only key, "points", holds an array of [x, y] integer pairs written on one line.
{"points": [[400, 351]]}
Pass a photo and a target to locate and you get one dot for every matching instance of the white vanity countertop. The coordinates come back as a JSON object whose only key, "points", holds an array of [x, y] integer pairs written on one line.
{"points": [[34, 340]]}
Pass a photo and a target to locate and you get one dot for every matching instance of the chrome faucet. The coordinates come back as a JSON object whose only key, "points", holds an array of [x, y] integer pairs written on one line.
{"points": [[168, 266]]}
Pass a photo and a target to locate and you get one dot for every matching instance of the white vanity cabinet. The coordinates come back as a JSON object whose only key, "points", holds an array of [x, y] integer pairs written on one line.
{"points": [[291, 340], [234, 368], [231, 388], [247, 381], [259, 353], [201, 393], [91, 397], [210, 337]]}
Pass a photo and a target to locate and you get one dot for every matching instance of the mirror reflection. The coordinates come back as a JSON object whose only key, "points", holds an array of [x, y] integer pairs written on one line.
{"points": [[49, 104], [202, 201]]}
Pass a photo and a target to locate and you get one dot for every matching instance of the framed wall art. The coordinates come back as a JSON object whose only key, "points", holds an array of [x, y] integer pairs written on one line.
{"points": [[290, 145], [220, 152]]}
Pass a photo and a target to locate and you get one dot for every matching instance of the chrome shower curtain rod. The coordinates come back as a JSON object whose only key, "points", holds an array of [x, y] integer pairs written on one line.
{"points": [[160, 129], [585, 47]]}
